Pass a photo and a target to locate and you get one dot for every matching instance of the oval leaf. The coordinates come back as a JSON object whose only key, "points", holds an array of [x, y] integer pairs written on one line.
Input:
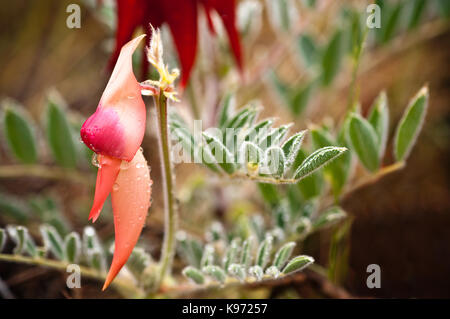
{"points": [[298, 263], [59, 134], [317, 159], [194, 274], [410, 125], [19, 134], [364, 141]]}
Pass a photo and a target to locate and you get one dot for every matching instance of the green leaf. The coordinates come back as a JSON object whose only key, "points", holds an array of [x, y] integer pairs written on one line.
{"points": [[256, 132], [336, 171], [227, 106], [303, 226], [24, 243], [269, 193], [257, 225], [30, 246], [237, 271], [53, 241], [137, 263], [72, 247], [93, 249], [18, 235], [222, 155], [308, 49], [190, 248], [298, 263], [250, 153], [262, 257], [256, 271], [417, 10], [13, 207], [291, 148], [283, 254], [194, 274], [410, 125], [364, 142], [379, 119], [59, 134], [19, 133], [215, 272], [312, 185], [299, 97], [331, 60], [443, 8], [318, 159], [246, 253], [208, 256], [330, 217], [274, 136], [2, 239], [215, 232], [232, 253], [275, 161], [392, 17]]}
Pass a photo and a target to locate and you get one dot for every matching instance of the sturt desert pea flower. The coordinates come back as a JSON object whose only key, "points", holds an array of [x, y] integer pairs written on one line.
{"points": [[181, 16], [115, 132]]}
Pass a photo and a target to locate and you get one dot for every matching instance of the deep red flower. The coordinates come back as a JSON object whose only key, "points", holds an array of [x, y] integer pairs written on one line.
{"points": [[181, 16]]}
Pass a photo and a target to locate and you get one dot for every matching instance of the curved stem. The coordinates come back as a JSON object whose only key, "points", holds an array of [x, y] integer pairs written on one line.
{"points": [[170, 209], [55, 173], [62, 266]]}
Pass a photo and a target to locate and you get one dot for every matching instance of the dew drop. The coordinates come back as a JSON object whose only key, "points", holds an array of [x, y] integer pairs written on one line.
{"points": [[124, 165], [115, 187], [95, 161]]}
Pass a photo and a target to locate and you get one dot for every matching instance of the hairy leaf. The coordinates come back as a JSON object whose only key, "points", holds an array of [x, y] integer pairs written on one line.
{"points": [[318, 159], [59, 134], [283, 254], [19, 134], [215, 272], [410, 125], [298, 263], [364, 141], [194, 274], [379, 119]]}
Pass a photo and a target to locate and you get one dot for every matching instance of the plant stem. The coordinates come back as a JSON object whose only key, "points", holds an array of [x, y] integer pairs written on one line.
{"points": [[357, 53], [62, 266], [170, 209], [193, 102], [55, 173]]}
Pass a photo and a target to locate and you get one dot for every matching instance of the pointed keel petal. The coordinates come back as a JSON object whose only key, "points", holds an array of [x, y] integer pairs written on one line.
{"points": [[107, 173], [130, 201]]}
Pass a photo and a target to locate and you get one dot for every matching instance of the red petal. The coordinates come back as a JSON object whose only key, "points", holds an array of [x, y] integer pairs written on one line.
{"points": [[106, 176], [130, 201], [182, 19], [227, 12], [130, 15]]}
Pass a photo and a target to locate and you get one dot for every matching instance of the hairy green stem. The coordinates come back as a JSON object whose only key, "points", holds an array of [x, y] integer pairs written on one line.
{"points": [[170, 209]]}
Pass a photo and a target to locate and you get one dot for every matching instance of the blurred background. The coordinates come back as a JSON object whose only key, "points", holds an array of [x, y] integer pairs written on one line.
{"points": [[399, 221]]}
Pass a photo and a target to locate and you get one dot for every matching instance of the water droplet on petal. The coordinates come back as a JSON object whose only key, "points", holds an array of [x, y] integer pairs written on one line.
{"points": [[124, 165], [115, 187], [95, 161]]}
